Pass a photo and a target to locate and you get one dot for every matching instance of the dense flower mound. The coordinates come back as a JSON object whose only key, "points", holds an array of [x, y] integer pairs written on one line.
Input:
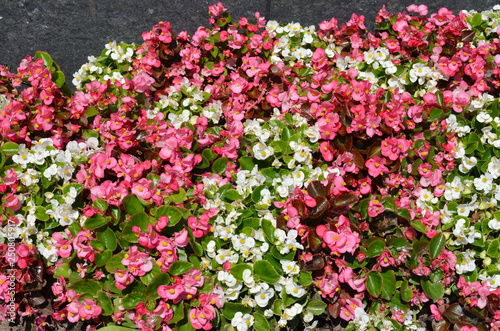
{"points": [[258, 176]]}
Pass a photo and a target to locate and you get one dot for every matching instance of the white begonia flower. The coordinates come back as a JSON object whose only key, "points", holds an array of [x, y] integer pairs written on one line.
{"points": [[418, 73], [298, 177], [225, 255], [484, 117], [286, 241], [226, 278], [369, 55], [361, 319], [264, 295], [262, 151], [233, 293], [464, 235], [494, 224], [266, 197], [427, 196], [48, 250], [211, 246], [467, 164], [468, 263], [271, 26], [290, 267], [294, 289], [242, 322], [29, 177], [493, 281], [453, 190], [484, 183], [494, 167], [23, 156], [465, 209]]}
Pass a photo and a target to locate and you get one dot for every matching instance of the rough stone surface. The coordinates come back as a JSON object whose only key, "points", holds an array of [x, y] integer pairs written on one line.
{"points": [[71, 30]]}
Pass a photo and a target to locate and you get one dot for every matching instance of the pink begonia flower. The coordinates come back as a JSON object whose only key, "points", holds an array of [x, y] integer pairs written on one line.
{"points": [[375, 208], [436, 314], [421, 9], [73, 312], [347, 276], [181, 238], [138, 263], [142, 82], [201, 317], [376, 166], [89, 309], [12, 202]]}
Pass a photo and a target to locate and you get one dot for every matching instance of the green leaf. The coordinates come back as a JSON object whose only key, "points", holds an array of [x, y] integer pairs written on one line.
{"points": [[231, 195], [435, 114], [256, 196], [317, 307], [494, 248], [96, 221], [220, 165], [406, 293], [47, 59], [85, 286], [105, 303], [266, 272], [238, 269], [246, 163], [59, 78], [403, 213], [115, 263], [100, 204], [437, 245], [434, 291], [132, 204], [376, 248], [152, 289], [305, 278], [102, 258], [230, 309], [374, 283], [133, 299], [260, 323], [179, 197], [141, 220], [477, 20], [268, 229], [178, 313], [417, 225], [388, 284], [180, 267], [63, 270], [108, 238], [10, 148], [174, 214]]}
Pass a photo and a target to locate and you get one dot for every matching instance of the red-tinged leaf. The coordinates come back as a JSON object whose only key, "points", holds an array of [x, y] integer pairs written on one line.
{"points": [[300, 206], [314, 240], [334, 310], [373, 150], [358, 159], [345, 199], [442, 325], [322, 205], [315, 189]]}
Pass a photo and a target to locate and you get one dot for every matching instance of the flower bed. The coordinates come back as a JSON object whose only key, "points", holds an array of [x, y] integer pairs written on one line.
{"points": [[258, 176]]}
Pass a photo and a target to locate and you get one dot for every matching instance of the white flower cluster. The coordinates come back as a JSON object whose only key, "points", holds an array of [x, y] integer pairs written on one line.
{"points": [[37, 167], [371, 321], [282, 141], [98, 68], [293, 42]]}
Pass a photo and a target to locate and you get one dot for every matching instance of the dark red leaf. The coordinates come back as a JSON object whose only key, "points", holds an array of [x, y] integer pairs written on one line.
{"points": [[322, 205], [315, 189], [345, 199]]}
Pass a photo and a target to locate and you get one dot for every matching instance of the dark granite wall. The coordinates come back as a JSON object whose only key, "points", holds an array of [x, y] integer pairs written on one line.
{"points": [[70, 30]]}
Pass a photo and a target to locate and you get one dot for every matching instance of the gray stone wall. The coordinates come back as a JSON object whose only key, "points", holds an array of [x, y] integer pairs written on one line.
{"points": [[70, 30]]}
